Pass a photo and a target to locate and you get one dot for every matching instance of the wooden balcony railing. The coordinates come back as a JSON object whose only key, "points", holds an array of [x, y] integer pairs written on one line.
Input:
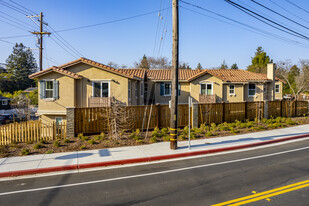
{"points": [[204, 98]]}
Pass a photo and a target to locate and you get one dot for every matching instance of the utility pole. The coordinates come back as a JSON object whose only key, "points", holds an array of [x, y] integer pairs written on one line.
{"points": [[41, 33], [174, 93]]}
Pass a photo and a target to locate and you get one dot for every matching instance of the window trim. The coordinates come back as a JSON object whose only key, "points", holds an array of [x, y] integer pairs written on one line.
{"points": [[49, 80], [251, 89], [141, 88], [170, 90], [101, 81], [278, 88], [5, 100], [234, 93], [206, 83]]}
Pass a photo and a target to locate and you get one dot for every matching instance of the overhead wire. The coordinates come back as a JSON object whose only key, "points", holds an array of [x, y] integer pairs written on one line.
{"points": [[291, 20], [301, 8], [156, 36], [33, 12], [164, 31], [13, 7], [260, 17], [288, 11], [252, 29], [21, 22]]}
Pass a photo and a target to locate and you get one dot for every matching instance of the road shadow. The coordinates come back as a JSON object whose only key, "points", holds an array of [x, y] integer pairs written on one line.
{"points": [[267, 138]]}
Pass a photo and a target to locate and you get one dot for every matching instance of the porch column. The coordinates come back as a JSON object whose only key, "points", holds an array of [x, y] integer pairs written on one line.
{"points": [[195, 114], [70, 128]]}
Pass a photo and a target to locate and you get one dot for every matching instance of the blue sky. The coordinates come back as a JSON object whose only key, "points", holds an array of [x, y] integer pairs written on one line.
{"points": [[202, 38]]}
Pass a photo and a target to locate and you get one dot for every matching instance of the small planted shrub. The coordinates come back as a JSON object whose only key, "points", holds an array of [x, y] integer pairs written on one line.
{"points": [[80, 135], [42, 141], [213, 127], [49, 152], [224, 127], [56, 143], [82, 147], [37, 146], [153, 139], [166, 138], [290, 122], [84, 138], [25, 152], [66, 140], [91, 141], [183, 137], [164, 131], [136, 135], [208, 134], [156, 133]]}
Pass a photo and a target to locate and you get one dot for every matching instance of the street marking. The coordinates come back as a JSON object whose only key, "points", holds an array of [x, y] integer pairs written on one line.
{"points": [[150, 174], [266, 194]]}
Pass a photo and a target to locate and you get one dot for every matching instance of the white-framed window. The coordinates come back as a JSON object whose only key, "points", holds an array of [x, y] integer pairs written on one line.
{"points": [[101, 88], [206, 88], [49, 89], [129, 89], [4, 102], [277, 88], [251, 90], [232, 89]]}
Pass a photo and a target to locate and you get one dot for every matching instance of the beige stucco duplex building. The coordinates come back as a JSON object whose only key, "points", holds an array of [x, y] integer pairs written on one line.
{"points": [[86, 83]]}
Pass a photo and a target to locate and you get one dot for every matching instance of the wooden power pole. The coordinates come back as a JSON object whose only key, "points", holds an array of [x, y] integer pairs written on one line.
{"points": [[41, 33], [174, 93]]}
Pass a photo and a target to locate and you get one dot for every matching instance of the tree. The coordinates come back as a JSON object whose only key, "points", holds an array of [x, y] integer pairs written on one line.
{"points": [[199, 66], [223, 65], [259, 61], [184, 66], [20, 64], [234, 66], [156, 63], [144, 63], [112, 64]]}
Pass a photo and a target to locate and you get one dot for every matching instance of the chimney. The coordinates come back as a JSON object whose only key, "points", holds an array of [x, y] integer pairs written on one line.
{"points": [[271, 68]]}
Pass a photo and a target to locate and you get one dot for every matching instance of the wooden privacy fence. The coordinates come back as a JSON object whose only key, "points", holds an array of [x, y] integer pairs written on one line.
{"points": [[31, 131], [98, 119], [94, 120]]}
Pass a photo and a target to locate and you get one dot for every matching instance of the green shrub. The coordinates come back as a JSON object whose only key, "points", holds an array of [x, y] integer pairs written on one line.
{"points": [[153, 139], [80, 135], [183, 137], [42, 141], [224, 126], [164, 131], [37, 146], [24, 152], [84, 138], [82, 147], [136, 135], [209, 133], [243, 125], [91, 141], [49, 152], [237, 123], [66, 140], [290, 122], [185, 131], [166, 138], [213, 127], [56, 143], [196, 130]]}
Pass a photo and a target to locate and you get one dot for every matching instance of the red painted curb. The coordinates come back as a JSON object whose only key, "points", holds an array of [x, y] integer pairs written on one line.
{"points": [[143, 159]]}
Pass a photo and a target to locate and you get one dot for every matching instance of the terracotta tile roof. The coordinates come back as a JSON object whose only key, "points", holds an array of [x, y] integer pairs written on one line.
{"points": [[58, 70], [165, 74], [236, 75], [100, 66], [139, 73]]}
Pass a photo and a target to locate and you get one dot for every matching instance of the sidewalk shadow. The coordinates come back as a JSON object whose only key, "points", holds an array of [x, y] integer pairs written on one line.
{"points": [[267, 138], [73, 156]]}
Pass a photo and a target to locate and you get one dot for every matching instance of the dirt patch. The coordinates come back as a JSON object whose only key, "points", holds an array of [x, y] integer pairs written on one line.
{"points": [[138, 138]]}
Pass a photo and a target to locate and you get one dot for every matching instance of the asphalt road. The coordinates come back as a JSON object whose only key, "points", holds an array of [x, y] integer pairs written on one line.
{"points": [[199, 181]]}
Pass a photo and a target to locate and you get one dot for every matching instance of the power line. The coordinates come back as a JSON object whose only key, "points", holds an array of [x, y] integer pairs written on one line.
{"points": [[24, 29], [15, 22], [297, 6], [11, 37], [7, 42], [288, 11], [252, 13], [158, 21], [279, 14], [23, 23], [113, 21], [261, 32], [13, 7], [24, 7], [73, 55]]}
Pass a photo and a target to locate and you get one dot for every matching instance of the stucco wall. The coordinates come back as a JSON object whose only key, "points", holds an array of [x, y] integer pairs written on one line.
{"points": [[66, 96], [217, 87], [237, 97], [182, 98], [52, 118], [278, 96]]}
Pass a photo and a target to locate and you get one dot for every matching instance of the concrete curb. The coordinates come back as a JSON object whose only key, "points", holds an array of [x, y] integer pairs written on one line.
{"points": [[143, 159]]}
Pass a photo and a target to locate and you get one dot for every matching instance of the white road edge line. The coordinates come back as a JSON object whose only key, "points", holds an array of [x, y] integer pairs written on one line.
{"points": [[150, 174]]}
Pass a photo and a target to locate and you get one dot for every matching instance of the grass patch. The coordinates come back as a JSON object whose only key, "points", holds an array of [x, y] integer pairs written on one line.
{"points": [[56, 143], [37, 146], [49, 152], [25, 152]]}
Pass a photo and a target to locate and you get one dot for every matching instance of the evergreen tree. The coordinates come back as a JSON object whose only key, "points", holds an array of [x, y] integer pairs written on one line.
{"points": [[223, 65], [20, 64], [144, 63], [234, 66], [199, 66], [259, 61]]}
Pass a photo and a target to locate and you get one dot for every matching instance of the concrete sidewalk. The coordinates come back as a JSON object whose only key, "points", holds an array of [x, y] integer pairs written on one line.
{"points": [[14, 166]]}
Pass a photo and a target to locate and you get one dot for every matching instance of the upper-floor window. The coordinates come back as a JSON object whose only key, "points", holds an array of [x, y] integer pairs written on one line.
{"points": [[142, 88], [232, 89], [277, 88], [49, 89], [207, 88], [101, 89], [252, 89], [166, 89]]}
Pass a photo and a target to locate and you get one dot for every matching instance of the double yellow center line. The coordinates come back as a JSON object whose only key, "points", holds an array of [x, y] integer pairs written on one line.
{"points": [[266, 194]]}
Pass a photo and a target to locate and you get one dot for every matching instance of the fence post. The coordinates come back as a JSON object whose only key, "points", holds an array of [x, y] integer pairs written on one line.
{"points": [[195, 114], [70, 126], [223, 112], [265, 109], [281, 108], [296, 108], [158, 116], [246, 112]]}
